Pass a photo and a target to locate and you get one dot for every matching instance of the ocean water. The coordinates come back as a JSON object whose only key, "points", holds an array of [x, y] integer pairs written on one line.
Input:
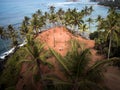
{"points": [[13, 12]]}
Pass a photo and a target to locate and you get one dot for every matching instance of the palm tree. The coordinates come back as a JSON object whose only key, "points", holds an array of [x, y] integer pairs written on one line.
{"points": [[24, 29], [79, 74], [89, 20], [67, 17], [53, 18], [13, 35], [73, 18], [37, 57], [110, 27], [52, 9], [42, 22], [99, 18], [84, 28], [60, 14], [85, 10], [34, 23], [39, 13], [90, 9], [2, 34]]}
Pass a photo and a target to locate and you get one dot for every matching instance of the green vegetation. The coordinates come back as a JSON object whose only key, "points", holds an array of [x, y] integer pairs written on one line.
{"points": [[107, 36], [111, 3], [76, 66], [10, 75], [79, 74]]}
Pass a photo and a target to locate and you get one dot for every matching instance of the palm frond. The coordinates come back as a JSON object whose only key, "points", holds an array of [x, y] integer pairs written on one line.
{"points": [[60, 60], [103, 62], [88, 85], [95, 72], [83, 62], [58, 83]]}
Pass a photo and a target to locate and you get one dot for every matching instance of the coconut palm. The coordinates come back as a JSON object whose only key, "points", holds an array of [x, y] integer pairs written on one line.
{"points": [[83, 28], [110, 27], [99, 18], [52, 9], [36, 56], [2, 33], [39, 13], [13, 35], [53, 18], [86, 11], [34, 23], [73, 18], [42, 22], [89, 20], [60, 14], [26, 19], [90, 9], [25, 26], [76, 20], [67, 17], [79, 74]]}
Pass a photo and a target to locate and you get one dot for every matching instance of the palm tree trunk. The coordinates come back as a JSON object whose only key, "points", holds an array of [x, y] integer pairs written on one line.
{"points": [[40, 74], [89, 26], [39, 69], [110, 42]]}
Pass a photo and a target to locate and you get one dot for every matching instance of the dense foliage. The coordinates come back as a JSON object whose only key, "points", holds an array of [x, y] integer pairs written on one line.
{"points": [[78, 73], [111, 3]]}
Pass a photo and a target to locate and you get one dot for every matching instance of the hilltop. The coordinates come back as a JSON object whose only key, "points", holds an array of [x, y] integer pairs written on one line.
{"points": [[58, 38]]}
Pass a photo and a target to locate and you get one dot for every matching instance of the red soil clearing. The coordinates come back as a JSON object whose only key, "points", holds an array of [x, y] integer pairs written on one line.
{"points": [[61, 36], [58, 38]]}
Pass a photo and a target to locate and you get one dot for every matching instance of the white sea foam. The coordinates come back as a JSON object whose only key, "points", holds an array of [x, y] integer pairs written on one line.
{"points": [[3, 56], [69, 3], [21, 45], [12, 50]]}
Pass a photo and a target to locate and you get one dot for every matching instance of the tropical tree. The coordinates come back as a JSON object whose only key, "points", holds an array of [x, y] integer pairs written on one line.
{"points": [[13, 35], [110, 27], [24, 29], [2, 33], [83, 28], [39, 13], [60, 15], [67, 17], [90, 9], [73, 18], [37, 57], [10, 74], [42, 22], [53, 15], [35, 23], [99, 19], [85, 10], [89, 20], [79, 73]]}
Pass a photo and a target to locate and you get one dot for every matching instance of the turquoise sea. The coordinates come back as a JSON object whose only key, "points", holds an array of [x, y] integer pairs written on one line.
{"points": [[13, 12]]}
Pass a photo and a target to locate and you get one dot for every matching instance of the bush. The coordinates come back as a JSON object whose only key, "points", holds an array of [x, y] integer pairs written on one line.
{"points": [[94, 35], [10, 74]]}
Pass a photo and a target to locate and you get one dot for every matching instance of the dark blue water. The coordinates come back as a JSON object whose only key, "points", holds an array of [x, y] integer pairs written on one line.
{"points": [[13, 11]]}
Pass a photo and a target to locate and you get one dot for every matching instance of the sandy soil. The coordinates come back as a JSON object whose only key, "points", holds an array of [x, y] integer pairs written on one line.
{"points": [[58, 39]]}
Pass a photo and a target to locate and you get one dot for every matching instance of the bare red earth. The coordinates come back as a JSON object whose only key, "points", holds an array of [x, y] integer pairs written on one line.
{"points": [[58, 38]]}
